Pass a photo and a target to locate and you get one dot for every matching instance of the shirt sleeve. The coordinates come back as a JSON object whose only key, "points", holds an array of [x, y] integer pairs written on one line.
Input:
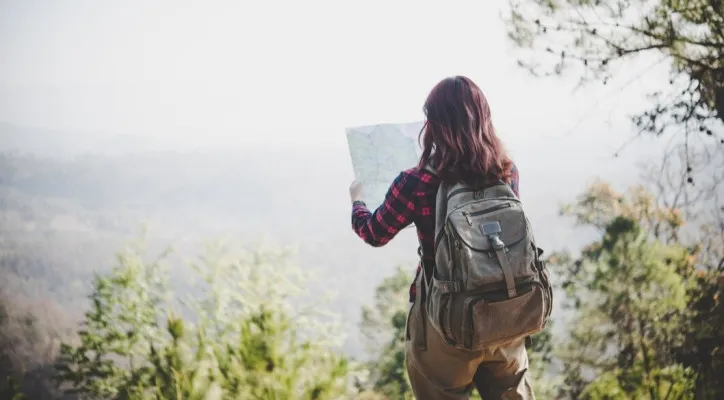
{"points": [[395, 213]]}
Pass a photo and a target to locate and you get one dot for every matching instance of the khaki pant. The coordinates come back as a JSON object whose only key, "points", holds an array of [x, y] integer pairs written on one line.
{"points": [[440, 372]]}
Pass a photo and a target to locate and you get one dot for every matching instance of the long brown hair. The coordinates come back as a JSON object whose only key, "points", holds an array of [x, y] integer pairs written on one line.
{"points": [[458, 138]]}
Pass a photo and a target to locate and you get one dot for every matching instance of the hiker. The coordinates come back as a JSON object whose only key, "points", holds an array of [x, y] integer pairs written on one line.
{"points": [[480, 289]]}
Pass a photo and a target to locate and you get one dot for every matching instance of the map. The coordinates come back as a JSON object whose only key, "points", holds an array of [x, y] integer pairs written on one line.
{"points": [[379, 153]]}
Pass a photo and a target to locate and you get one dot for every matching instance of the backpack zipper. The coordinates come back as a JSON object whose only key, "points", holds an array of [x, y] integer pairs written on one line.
{"points": [[453, 245], [468, 215], [491, 209]]}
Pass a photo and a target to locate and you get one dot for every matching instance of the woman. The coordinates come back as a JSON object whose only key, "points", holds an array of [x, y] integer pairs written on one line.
{"points": [[460, 142]]}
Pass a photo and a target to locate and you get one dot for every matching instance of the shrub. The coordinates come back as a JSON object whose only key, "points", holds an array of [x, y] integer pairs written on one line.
{"points": [[243, 330]]}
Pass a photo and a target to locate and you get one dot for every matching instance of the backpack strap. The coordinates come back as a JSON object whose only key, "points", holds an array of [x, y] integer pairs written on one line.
{"points": [[440, 211], [507, 271]]}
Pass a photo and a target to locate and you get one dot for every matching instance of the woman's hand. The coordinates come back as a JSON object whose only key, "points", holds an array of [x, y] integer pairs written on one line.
{"points": [[355, 191]]}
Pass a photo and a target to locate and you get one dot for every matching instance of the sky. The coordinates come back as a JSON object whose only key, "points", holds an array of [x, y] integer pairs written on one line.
{"points": [[154, 67]]}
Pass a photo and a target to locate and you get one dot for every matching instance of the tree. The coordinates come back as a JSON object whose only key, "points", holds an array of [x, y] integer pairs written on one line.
{"points": [[383, 327], [701, 205], [636, 297], [251, 338], [599, 36]]}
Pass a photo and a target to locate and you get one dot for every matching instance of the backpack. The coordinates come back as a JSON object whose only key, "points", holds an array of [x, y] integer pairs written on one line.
{"points": [[489, 286]]}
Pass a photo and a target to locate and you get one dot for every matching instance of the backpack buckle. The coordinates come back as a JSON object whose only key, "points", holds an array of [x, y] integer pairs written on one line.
{"points": [[492, 231]]}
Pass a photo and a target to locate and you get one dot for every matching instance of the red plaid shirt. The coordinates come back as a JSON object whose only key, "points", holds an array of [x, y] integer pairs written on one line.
{"points": [[410, 198]]}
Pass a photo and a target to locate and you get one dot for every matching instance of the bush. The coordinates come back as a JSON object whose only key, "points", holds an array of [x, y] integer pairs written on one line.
{"points": [[252, 336]]}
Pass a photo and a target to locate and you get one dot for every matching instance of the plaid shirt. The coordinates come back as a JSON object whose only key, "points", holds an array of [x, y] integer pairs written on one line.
{"points": [[410, 198]]}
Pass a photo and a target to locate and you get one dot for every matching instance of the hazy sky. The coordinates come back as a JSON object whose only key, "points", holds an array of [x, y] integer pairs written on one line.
{"points": [[280, 72]]}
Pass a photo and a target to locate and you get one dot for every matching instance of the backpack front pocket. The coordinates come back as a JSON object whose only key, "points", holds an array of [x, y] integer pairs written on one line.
{"points": [[495, 323]]}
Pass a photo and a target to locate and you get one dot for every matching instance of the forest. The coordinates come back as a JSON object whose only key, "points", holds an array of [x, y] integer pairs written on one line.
{"points": [[158, 275]]}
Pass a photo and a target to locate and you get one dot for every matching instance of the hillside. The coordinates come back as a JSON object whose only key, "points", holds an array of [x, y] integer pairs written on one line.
{"points": [[68, 205]]}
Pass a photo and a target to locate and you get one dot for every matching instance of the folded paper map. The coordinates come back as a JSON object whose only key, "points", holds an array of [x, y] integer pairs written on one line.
{"points": [[379, 153]]}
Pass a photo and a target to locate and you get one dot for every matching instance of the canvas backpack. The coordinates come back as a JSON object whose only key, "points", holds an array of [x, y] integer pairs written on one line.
{"points": [[489, 286]]}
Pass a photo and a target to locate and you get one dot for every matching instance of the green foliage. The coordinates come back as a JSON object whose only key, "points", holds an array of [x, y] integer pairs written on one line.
{"points": [[632, 294], [248, 339], [10, 389], [384, 328], [703, 351], [674, 382]]}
